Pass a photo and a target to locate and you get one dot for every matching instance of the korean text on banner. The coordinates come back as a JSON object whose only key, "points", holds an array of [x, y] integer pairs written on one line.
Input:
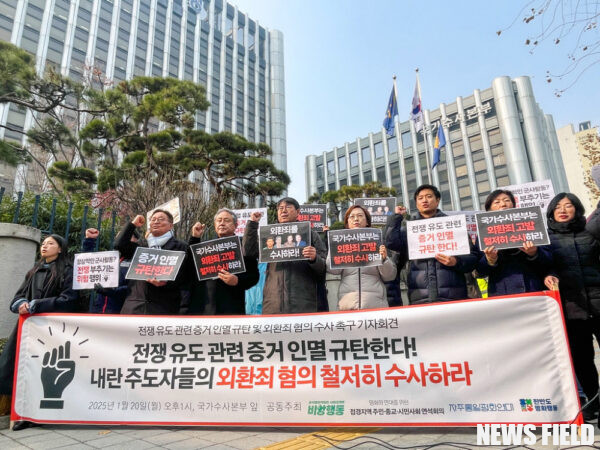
{"points": [[379, 208], [315, 214], [358, 247], [210, 257], [155, 263], [280, 242], [379, 367], [535, 193], [243, 216], [98, 267], [428, 237]]}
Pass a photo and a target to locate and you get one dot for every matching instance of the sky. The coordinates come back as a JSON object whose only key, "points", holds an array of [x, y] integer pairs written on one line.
{"points": [[340, 57]]}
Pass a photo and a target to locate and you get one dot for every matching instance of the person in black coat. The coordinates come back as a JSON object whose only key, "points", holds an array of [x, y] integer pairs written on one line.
{"points": [[434, 279], [225, 295], [48, 287], [153, 296], [515, 270], [575, 250]]}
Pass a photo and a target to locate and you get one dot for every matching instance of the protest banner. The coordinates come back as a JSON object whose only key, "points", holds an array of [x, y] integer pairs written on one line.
{"points": [[536, 193], [379, 208], [172, 206], [98, 267], [243, 216], [511, 228], [358, 247], [471, 222], [428, 237], [315, 214], [210, 257], [155, 263], [283, 241], [383, 367]]}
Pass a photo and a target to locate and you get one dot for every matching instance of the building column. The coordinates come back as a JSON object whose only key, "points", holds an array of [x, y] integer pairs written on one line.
{"points": [[468, 155], [131, 48], [509, 122], [386, 158], [450, 167], [415, 152], [361, 175], [372, 150], [405, 198], [428, 139], [348, 168], [278, 136], [311, 175], [485, 140], [112, 40], [561, 183]]}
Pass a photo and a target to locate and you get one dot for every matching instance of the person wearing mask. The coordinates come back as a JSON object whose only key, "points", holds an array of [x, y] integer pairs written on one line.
{"points": [[575, 270], [363, 288], [226, 294], [515, 270], [291, 287], [433, 279], [153, 296], [48, 287]]}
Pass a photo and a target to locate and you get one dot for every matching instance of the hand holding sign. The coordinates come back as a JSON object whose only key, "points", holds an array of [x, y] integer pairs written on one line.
{"points": [[449, 261], [491, 254], [155, 282], [551, 283], [139, 221], [310, 252], [529, 249], [383, 252], [228, 278]]}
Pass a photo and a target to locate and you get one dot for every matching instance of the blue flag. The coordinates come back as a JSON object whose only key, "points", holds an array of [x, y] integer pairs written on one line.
{"points": [[440, 141], [390, 113]]}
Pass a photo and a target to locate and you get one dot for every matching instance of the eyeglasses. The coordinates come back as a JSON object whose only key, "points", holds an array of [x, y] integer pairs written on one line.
{"points": [[356, 216]]}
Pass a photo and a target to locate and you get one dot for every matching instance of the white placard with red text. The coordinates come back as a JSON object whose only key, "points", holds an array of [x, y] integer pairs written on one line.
{"points": [[500, 360], [535, 193], [98, 267], [446, 235], [243, 216]]}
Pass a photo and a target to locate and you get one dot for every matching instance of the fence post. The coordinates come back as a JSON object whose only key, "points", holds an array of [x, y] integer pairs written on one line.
{"points": [[18, 208], [83, 225], [68, 228], [52, 214], [98, 227], [2, 193], [112, 229], [35, 211]]}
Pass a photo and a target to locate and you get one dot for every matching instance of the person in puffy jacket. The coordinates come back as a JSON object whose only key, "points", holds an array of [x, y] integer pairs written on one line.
{"points": [[363, 288], [575, 251], [433, 279], [514, 270]]}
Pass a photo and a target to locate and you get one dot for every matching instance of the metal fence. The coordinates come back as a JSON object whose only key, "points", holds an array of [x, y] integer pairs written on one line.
{"points": [[49, 227]]}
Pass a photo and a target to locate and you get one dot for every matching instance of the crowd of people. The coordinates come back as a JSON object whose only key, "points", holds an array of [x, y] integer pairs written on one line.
{"points": [[570, 264]]}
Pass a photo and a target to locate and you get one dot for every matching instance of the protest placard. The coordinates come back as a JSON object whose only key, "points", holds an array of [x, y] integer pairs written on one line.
{"points": [[428, 237], [379, 208], [172, 206], [511, 228], [535, 193], [98, 267], [358, 247], [471, 222], [507, 362], [315, 214], [148, 263], [243, 216], [283, 241], [210, 257]]}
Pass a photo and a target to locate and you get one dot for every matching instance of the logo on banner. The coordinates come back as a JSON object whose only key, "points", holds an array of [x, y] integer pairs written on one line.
{"points": [[524, 434], [57, 371]]}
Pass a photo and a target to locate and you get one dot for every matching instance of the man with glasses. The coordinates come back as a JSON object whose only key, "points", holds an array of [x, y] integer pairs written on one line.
{"points": [[152, 296], [290, 286]]}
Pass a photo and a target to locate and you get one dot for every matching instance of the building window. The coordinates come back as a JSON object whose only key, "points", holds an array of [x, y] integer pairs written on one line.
{"points": [[392, 145], [330, 168], [378, 150], [366, 154], [355, 179], [381, 175], [341, 163], [320, 172], [354, 159], [406, 140]]}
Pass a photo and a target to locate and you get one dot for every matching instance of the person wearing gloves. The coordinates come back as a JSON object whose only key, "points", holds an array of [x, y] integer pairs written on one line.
{"points": [[363, 288]]}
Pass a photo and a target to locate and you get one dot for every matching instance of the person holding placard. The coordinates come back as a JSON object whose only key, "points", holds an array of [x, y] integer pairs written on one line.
{"points": [[48, 287], [291, 287], [224, 295], [363, 287], [433, 279], [576, 274], [153, 296], [515, 270]]}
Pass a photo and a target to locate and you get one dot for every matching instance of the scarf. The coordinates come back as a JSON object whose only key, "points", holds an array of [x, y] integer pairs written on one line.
{"points": [[159, 241], [575, 225]]}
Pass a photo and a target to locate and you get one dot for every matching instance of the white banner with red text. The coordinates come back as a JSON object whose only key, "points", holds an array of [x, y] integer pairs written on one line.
{"points": [[500, 360]]}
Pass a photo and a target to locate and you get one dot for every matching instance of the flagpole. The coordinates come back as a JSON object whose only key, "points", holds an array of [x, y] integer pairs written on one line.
{"points": [[425, 134]]}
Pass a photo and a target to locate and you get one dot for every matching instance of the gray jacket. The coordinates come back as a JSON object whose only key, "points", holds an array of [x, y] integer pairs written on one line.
{"points": [[291, 286], [373, 293]]}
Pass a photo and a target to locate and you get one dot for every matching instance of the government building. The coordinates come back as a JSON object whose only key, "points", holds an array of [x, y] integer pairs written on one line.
{"points": [[238, 60], [494, 137]]}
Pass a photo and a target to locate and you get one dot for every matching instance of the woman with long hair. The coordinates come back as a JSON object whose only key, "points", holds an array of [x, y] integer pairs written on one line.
{"points": [[363, 288], [513, 270], [48, 287], [576, 271]]}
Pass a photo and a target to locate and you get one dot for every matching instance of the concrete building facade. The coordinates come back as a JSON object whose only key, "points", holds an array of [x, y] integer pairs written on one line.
{"points": [[211, 42], [495, 137]]}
